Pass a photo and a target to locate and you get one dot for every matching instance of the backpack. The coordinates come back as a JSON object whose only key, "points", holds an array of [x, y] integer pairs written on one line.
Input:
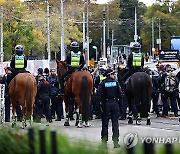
{"points": [[170, 83]]}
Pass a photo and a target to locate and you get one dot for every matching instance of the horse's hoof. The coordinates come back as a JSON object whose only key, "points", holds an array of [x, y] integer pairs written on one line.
{"points": [[66, 124], [87, 124], [79, 126], [13, 125], [130, 121], [138, 122], [148, 122], [77, 122]]}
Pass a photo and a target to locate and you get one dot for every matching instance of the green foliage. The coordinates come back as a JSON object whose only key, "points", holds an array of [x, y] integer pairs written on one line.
{"points": [[11, 143], [169, 21]]}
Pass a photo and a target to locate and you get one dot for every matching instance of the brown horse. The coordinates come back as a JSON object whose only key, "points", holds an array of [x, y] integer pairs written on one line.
{"points": [[23, 89], [80, 86]]}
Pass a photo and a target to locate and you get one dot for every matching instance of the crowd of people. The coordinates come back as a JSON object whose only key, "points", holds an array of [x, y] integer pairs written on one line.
{"points": [[108, 100]]}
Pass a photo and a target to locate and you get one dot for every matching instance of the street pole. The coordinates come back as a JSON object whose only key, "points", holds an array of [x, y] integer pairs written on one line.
{"points": [[84, 31], [1, 46], [112, 37], [153, 38], [135, 35], [62, 30], [104, 33], [159, 33], [48, 33], [87, 35]]}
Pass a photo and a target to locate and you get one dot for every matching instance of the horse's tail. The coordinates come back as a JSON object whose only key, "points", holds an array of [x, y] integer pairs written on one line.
{"points": [[29, 97], [145, 97], [85, 99]]}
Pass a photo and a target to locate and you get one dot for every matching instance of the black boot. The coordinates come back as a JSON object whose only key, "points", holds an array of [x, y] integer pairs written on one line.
{"points": [[116, 144]]}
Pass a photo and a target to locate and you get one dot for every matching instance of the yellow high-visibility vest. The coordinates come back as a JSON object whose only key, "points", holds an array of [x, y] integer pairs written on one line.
{"points": [[137, 59], [102, 77], [19, 61], [75, 58]]}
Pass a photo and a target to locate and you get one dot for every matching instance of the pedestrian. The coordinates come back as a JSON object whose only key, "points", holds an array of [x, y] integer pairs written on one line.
{"points": [[109, 91]]}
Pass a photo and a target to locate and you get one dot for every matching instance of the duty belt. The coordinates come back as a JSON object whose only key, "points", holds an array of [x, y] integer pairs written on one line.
{"points": [[110, 99]]}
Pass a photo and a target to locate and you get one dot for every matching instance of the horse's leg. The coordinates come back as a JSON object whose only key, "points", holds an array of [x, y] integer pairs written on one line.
{"points": [[148, 114], [138, 107], [22, 102], [13, 102], [130, 121], [66, 101], [79, 122]]}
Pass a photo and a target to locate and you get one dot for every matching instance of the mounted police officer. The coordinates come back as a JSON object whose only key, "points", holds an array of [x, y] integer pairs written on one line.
{"points": [[109, 91], [19, 61], [135, 61], [75, 61]]}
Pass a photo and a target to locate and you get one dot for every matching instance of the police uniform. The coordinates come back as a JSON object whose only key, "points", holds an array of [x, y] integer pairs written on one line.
{"points": [[135, 61], [18, 62], [109, 91], [74, 60], [43, 90], [56, 99]]}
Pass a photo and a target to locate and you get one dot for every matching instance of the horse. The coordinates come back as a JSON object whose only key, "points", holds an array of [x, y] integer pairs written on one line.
{"points": [[80, 86], [23, 89], [138, 88]]}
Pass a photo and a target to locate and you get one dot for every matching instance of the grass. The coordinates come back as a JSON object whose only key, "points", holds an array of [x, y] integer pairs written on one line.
{"points": [[14, 142]]}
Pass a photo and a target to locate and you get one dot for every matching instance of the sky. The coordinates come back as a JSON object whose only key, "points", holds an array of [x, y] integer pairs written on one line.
{"points": [[147, 2]]}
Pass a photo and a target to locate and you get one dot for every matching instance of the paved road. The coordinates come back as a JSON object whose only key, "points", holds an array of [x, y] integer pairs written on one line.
{"points": [[160, 127]]}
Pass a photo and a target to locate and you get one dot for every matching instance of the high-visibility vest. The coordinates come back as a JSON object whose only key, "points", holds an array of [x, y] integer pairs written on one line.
{"points": [[137, 59], [75, 58], [19, 61], [102, 77]]}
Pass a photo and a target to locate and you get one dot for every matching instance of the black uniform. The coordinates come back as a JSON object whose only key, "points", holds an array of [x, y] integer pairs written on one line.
{"points": [[132, 69], [44, 90], [109, 91]]}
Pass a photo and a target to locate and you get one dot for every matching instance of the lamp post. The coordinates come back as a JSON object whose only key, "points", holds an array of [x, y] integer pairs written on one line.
{"points": [[104, 33], [1, 44], [62, 30]]}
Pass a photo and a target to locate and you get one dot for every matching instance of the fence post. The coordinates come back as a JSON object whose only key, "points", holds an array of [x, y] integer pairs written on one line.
{"points": [[31, 140], [168, 148], [53, 142], [148, 148], [130, 150], [42, 141]]}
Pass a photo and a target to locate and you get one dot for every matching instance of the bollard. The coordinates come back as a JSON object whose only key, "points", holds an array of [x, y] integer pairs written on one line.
{"points": [[148, 148], [42, 141], [53, 142], [168, 148], [31, 140]]}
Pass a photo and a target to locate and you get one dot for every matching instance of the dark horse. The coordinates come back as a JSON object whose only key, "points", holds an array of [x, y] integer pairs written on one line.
{"points": [[80, 86], [23, 89], [139, 89]]}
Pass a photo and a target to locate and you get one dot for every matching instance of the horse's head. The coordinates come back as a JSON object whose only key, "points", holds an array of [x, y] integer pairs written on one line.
{"points": [[61, 67], [121, 73]]}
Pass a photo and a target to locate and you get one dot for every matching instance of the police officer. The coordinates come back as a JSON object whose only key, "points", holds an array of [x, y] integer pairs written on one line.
{"points": [[135, 61], [43, 90], [74, 60], [46, 74], [19, 61], [56, 99], [109, 91]]}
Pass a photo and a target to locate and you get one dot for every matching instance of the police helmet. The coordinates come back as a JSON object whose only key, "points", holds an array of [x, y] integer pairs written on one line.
{"points": [[19, 49], [74, 46], [109, 71], [135, 45]]}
